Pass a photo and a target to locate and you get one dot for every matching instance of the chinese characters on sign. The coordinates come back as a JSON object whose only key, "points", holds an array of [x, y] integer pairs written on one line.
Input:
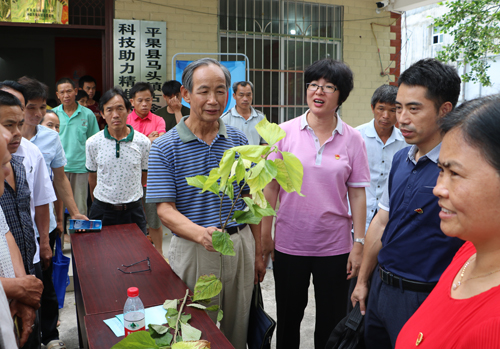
{"points": [[140, 54]]}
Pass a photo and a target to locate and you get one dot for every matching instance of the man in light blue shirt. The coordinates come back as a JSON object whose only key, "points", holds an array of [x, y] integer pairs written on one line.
{"points": [[382, 141], [243, 116]]}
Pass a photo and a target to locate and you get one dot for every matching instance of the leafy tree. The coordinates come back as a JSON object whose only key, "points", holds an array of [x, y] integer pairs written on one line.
{"points": [[475, 27]]}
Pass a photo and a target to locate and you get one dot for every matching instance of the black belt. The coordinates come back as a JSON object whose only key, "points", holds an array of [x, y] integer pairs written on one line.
{"points": [[399, 282], [120, 207], [234, 230]]}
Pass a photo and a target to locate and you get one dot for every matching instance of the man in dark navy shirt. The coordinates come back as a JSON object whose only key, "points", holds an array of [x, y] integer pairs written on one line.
{"points": [[404, 238]]}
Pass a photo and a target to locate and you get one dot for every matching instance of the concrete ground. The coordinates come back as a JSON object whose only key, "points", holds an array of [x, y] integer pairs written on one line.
{"points": [[69, 334]]}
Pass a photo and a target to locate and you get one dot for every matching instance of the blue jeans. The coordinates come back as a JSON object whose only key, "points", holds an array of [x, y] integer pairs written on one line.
{"points": [[387, 311]]}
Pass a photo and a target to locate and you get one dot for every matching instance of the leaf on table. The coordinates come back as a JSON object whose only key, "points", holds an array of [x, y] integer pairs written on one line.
{"points": [[197, 306], [221, 241], [213, 308], [206, 287], [137, 340], [199, 344], [171, 317], [170, 303], [158, 329], [189, 333], [162, 340], [185, 318]]}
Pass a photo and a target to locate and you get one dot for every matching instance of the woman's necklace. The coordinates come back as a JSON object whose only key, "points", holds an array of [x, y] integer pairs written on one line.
{"points": [[459, 283]]}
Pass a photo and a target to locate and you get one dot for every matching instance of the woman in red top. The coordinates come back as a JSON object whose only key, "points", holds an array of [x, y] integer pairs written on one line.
{"points": [[463, 309]]}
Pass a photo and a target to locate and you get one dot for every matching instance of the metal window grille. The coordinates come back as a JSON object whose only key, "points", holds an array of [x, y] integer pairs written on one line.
{"points": [[281, 38], [86, 12]]}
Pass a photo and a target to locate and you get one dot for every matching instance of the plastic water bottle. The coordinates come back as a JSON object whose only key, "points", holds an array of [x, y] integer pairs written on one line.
{"points": [[133, 312]]}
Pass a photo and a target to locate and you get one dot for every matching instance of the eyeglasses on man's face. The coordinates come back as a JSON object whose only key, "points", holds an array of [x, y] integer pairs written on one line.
{"points": [[326, 89]]}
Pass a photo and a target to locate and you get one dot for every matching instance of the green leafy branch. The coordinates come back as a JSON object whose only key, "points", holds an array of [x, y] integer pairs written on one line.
{"points": [[248, 167], [475, 27]]}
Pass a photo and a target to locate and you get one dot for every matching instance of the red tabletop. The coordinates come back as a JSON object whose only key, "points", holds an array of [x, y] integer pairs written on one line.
{"points": [[101, 289]]}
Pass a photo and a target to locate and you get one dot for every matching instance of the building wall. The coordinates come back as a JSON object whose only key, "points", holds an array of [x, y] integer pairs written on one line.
{"points": [[192, 26]]}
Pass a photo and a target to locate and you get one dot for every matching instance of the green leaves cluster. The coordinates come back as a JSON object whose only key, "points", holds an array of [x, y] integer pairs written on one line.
{"points": [[475, 27], [248, 166], [161, 337]]}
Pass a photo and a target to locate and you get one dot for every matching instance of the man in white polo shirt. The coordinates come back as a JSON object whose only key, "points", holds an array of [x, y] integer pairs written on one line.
{"points": [[243, 116], [117, 159]]}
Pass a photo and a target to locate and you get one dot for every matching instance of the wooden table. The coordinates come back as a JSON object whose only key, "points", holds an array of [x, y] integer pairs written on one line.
{"points": [[101, 289]]}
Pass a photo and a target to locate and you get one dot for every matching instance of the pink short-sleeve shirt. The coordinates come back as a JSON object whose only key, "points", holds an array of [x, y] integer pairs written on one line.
{"points": [[147, 125], [319, 224]]}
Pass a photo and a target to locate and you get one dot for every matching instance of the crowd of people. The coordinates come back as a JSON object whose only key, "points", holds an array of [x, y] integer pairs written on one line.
{"points": [[386, 209]]}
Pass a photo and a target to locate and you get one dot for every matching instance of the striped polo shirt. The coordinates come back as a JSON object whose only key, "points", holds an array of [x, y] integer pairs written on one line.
{"points": [[179, 154]]}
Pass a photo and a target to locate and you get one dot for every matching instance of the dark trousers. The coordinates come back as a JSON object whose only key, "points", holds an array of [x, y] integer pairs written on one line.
{"points": [[34, 340], [49, 309], [291, 277], [102, 211], [388, 310]]}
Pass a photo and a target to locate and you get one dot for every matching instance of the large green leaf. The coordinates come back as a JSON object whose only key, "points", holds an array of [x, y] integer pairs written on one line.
{"points": [[171, 317], [271, 133], [137, 340], [252, 152], [247, 217], [222, 243], [295, 170], [206, 287], [282, 177], [199, 182], [211, 180], [263, 173], [240, 170], [189, 333], [225, 165]]}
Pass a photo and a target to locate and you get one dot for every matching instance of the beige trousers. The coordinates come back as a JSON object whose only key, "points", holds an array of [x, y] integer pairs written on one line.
{"points": [[189, 260], [79, 184]]}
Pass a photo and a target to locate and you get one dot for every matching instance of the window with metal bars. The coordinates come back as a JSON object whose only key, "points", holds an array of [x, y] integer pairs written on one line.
{"points": [[281, 38], [86, 12]]}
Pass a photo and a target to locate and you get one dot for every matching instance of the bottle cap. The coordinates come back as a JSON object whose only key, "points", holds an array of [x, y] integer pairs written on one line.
{"points": [[133, 292]]}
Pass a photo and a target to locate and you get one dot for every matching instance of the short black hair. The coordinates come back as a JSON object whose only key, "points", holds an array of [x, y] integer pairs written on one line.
{"points": [[34, 89], [441, 80], [13, 85], [384, 94], [65, 81], [141, 86], [84, 79], [81, 94], [242, 84], [9, 100], [109, 94], [336, 72], [171, 88], [479, 122]]}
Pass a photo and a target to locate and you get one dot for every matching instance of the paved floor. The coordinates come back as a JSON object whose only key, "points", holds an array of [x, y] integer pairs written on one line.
{"points": [[69, 334]]}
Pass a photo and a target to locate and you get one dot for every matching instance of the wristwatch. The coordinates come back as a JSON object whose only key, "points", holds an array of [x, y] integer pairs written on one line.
{"points": [[361, 241]]}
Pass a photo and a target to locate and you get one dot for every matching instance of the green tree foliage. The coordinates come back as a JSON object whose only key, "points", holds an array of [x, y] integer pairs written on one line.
{"points": [[475, 27]]}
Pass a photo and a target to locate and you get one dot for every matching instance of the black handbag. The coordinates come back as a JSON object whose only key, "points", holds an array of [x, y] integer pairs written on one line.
{"points": [[260, 326], [349, 333]]}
